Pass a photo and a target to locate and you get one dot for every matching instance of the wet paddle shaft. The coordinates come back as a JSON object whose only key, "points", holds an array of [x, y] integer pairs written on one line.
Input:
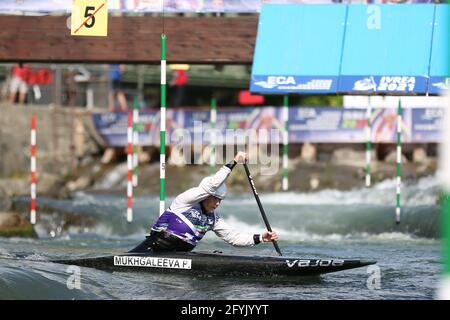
{"points": [[261, 209]]}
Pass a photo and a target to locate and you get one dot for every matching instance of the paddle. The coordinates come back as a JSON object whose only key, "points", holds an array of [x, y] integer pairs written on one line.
{"points": [[261, 209]]}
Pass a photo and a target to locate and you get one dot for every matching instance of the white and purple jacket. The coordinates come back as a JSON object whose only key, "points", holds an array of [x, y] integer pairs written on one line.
{"points": [[186, 219]]}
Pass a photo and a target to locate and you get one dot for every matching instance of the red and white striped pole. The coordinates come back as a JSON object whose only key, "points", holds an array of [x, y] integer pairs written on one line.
{"points": [[33, 171], [130, 167]]}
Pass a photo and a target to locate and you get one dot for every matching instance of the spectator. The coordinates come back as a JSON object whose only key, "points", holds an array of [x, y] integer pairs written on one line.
{"points": [[179, 80], [115, 75], [20, 75], [75, 75]]}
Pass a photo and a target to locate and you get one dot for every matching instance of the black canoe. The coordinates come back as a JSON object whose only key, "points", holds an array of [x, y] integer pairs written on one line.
{"points": [[216, 264]]}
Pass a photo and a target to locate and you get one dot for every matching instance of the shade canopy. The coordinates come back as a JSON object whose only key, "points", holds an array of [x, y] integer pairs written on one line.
{"points": [[372, 49]]}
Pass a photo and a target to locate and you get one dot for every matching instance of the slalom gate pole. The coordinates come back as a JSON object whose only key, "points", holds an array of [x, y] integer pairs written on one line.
{"points": [[130, 168], [368, 143], [213, 119], [285, 181], [135, 141], [399, 161], [33, 171], [162, 134]]}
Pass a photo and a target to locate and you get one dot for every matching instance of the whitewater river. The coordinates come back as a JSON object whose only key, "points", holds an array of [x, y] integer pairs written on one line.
{"points": [[326, 224]]}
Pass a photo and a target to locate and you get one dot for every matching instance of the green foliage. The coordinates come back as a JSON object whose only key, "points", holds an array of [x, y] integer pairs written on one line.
{"points": [[24, 232], [333, 101]]}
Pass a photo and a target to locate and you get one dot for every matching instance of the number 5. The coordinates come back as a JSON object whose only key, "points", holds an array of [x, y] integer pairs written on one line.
{"points": [[90, 23]]}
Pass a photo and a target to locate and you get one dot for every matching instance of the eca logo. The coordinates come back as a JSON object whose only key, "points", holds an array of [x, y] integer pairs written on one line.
{"points": [[280, 80]]}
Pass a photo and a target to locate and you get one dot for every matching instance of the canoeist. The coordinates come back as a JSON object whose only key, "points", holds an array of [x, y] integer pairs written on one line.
{"points": [[191, 215]]}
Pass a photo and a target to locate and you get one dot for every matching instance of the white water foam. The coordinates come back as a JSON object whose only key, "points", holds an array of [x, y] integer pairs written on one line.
{"points": [[103, 231], [305, 236], [113, 178], [36, 257], [424, 192], [5, 254]]}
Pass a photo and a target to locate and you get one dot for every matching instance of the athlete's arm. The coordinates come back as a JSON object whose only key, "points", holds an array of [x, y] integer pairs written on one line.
{"points": [[234, 237], [207, 186], [200, 193]]}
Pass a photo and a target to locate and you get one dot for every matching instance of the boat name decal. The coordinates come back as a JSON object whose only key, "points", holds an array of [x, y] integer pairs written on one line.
{"points": [[152, 262], [314, 263]]}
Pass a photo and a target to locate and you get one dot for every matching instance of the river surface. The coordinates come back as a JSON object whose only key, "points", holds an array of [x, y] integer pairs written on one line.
{"points": [[326, 224]]}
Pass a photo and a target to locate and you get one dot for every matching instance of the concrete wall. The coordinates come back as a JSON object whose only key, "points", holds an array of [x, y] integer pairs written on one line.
{"points": [[64, 135]]}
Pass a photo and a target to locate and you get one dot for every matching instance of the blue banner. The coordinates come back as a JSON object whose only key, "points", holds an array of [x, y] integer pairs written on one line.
{"points": [[327, 49], [265, 124], [438, 85], [427, 125], [383, 84], [298, 55], [439, 67], [294, 84], [112, 127], [320, 125]]}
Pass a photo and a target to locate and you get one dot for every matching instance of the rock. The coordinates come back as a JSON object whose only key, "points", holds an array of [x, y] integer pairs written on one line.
{"points": [[420, 156], [112, 177], [15, 225], [15, 186], [253, 153], [295, 163], [5, 200], [108, 156], [314, 182], [94, 142], [143, 156], [309, 152], [269, 165], [264, 181], [349, 157], [48, 183], [79, 184], [79, 137], [87, 160], [277, 186], [177, 156], [392, 157], [96, 169]]}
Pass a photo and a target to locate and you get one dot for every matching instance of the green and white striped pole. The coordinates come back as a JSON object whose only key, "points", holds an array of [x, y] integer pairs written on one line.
{"points": [[135, 140], [444, 286], [130, 167], [369, 143], [285, 180], [162, 135], [399, 160], [213, 118]]}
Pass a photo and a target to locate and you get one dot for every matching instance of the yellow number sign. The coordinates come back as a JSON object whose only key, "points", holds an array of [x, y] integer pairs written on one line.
{"points": [[89, 18]]}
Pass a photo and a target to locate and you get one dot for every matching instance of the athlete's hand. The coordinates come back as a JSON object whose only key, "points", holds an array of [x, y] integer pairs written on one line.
{"points": [[241, 157], [270, 236]]}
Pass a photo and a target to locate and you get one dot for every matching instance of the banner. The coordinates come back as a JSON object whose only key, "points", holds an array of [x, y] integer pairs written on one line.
{"points": [[427, 124], [265, 125], [112, 126], [351, 49], [297, 84], [385, 84], [242, 6], [318, 125]]}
